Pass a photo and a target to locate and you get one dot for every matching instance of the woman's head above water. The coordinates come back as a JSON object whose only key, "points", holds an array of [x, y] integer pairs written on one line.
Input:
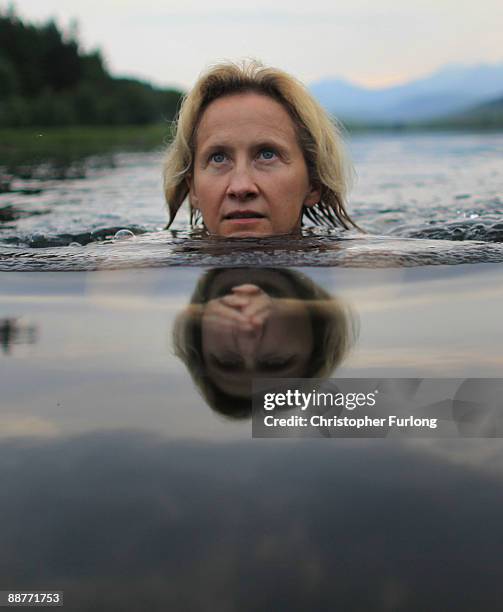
{"points": [[254, 153]]}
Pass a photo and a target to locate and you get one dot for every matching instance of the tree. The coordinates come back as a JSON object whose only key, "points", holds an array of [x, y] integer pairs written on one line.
{"points": [[46, 80]]}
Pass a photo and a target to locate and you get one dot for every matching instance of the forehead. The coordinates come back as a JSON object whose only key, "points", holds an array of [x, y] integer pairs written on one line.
{"points": [[245, 115]]}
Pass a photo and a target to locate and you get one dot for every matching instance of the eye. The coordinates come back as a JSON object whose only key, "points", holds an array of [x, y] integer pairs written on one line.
{"points": [[217, 157], [267, 154]]}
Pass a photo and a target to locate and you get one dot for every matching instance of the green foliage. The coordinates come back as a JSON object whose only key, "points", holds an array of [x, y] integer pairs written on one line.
{"points": [[9, 84], [30, 145], [46, 80]]}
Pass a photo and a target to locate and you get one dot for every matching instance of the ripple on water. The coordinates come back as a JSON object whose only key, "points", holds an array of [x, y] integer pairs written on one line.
{"points": [[475, 228], [162, 249]]}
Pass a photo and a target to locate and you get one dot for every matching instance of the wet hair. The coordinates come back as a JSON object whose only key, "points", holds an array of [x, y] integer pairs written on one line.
{"points": [[334, 328], [319, 137]]}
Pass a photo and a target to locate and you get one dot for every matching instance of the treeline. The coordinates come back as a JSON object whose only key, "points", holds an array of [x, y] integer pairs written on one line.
{"points": [[46, 80]]}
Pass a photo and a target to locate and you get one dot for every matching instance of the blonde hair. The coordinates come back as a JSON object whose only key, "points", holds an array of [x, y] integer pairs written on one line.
{"points": [[319, 137]]}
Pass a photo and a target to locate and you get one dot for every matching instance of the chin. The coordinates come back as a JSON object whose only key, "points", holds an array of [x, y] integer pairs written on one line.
{"points": [[248, 234], [258, 232], [246, 230]]}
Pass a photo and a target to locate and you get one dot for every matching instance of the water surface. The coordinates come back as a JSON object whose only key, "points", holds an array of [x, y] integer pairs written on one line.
{"points": [[123, 487], [411, 189]]}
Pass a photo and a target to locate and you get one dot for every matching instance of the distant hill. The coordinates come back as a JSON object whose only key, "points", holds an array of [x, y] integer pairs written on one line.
{"points": [[447, 91], [493, 106], [485, 116]]}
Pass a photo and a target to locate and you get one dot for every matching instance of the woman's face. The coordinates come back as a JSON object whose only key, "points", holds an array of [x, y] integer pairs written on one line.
{"points": [[250, 177]]}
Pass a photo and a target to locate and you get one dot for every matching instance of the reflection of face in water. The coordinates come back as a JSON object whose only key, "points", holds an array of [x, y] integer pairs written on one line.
{"points": [[244, 324], [249, 334]]}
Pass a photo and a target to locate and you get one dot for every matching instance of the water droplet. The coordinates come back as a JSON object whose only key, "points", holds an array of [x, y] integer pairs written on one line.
{"points": [[124, 234]]}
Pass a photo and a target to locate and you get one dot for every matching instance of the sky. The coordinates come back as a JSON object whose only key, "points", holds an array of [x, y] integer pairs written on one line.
{"points": [[370, 42]]}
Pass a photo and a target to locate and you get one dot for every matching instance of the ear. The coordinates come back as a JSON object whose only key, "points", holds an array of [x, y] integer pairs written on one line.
{"points": [[313, 196], [193, 199]]}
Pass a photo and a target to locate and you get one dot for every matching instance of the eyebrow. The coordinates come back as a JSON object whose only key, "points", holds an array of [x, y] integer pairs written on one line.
{"points": [[235, 358], [263, 362], [224, 145], [279, 361]]}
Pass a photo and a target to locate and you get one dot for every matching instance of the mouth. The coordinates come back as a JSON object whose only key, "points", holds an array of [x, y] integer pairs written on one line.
{"points": [[243, 215]]}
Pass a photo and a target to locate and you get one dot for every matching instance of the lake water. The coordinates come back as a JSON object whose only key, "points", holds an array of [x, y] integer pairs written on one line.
{"points": [[130, 476], [410, 190], [125, 488]]}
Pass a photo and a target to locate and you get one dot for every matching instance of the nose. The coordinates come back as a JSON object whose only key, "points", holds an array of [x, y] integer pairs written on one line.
{"points": [[242, 185], [248, 344]]}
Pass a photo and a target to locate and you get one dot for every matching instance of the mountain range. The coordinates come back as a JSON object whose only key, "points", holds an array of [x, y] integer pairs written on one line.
{"points": [[450, 90]]}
